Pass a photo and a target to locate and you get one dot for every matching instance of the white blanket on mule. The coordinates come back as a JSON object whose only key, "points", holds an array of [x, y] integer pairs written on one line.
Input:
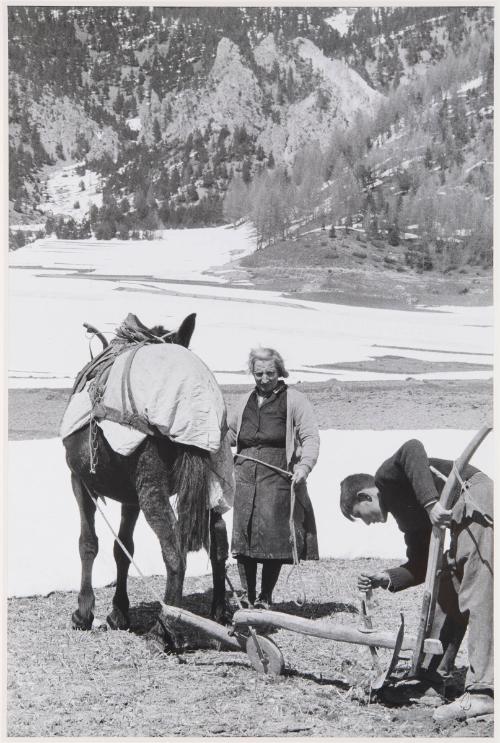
{"points": [[175, 393]]}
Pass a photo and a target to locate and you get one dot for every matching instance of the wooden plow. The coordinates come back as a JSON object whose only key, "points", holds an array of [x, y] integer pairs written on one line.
{"points": [[266, 657]]}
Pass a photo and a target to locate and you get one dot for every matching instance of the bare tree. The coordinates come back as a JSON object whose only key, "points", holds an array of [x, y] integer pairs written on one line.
{"points": [[236, 202]]}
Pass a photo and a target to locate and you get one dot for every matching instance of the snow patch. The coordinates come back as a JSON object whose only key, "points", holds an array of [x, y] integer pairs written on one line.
{"points": [[134, 124], [341, 21], [162, 281], [43, 522], [63, 190], [471, 84], [27, 227]]}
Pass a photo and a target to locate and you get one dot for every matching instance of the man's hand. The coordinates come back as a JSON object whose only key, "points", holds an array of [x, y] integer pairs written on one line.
{"points": [[299, 475], [373, 580], [439, 516]]}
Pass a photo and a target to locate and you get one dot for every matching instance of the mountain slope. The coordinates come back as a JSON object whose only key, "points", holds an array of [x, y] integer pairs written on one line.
{"points": [[195, 116]]}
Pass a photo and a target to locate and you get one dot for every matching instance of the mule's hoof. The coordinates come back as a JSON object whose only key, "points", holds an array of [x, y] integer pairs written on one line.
{"points": [[79, 622], [118, 620]]}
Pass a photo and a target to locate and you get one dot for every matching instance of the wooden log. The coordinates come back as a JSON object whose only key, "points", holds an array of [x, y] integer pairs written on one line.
{"points": [[207, 626], [436, 546], [319, 628]]}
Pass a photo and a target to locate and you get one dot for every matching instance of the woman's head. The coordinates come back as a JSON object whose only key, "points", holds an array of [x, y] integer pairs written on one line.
{"points": [[267, 367]]}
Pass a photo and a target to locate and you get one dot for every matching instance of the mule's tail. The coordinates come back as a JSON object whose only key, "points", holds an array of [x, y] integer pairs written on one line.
{"points": [[190, 480]]}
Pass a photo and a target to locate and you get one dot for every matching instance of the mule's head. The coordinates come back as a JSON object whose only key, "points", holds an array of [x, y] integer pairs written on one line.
{"points": [[181, 336]]}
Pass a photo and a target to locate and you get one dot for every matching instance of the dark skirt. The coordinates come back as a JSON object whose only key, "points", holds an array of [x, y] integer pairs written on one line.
{"points": [[262, 510]]}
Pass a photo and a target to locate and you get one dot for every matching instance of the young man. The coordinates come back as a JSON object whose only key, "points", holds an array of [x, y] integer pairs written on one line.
{"points": [[408, 486]]}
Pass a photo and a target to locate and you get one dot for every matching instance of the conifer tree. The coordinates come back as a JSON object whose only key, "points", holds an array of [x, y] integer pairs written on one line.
{"points": [[246, 171]]}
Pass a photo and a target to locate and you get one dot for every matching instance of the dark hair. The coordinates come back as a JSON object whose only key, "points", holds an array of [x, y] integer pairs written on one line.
{"points": [[349, 489]]}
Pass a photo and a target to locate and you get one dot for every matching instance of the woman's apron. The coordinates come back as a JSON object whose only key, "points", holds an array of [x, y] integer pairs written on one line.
{"points": [[262, 501]]}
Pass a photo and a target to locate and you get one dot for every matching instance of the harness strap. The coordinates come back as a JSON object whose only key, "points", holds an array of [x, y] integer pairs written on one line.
{"points": [[126, 383], [465, 485]]}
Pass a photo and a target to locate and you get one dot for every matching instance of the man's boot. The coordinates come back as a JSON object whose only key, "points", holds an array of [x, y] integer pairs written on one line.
{"points": [[466, 706]]}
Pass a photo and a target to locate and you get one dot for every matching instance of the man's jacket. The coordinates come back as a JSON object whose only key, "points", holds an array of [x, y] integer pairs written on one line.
{"points": [[406, 486]]}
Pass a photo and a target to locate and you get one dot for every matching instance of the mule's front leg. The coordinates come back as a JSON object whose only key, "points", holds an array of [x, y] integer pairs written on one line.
{"points": [[88, 544], [119, 616]]}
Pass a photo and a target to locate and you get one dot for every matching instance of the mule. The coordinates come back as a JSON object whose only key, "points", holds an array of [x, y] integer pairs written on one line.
{"points": [[144, 481]]}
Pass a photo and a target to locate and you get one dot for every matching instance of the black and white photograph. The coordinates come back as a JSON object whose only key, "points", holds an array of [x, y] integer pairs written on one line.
{"points": [[224, 218]]}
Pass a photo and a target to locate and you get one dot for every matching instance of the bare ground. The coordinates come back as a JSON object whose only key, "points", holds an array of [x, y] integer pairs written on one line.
{"points": [[105, 683], [351, 270], [36, 413]]}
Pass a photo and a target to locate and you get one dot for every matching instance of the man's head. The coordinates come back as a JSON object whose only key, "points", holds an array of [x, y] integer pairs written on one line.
{"points": [[359, 499]]}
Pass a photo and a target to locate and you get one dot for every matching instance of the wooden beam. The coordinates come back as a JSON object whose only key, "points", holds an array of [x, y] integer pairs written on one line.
{"points": [[436, 545], [207, 626], [319, 628]]}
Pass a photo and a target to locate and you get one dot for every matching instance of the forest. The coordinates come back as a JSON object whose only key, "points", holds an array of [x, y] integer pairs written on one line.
{"points": [[418, 167]]}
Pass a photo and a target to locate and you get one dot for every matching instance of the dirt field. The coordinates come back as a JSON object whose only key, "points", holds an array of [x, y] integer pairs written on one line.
{"points": [[36, 413], [104, 683]]}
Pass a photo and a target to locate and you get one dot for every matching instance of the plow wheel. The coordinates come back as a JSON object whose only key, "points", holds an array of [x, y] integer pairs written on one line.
{"points": [[265, 656]]}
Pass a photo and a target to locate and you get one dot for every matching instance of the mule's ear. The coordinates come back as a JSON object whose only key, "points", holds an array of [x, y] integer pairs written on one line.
{"points": [[185, 331]]}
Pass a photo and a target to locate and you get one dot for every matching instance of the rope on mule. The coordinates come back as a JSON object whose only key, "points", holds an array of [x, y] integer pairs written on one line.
{"points": [[151, 590], [125, 550]]}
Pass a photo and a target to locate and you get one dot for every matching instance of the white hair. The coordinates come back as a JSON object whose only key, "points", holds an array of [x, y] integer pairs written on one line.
{"points": [[267, 354]]}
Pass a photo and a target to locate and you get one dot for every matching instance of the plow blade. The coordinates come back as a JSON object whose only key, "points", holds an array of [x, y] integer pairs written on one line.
{"points": [[383, 676]]}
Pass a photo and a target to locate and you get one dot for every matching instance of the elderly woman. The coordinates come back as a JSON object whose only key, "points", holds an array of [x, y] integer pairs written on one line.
{"points": [[274, 424]]}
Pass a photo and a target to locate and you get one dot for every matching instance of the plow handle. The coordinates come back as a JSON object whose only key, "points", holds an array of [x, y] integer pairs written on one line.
{"points": [[436, 551]]}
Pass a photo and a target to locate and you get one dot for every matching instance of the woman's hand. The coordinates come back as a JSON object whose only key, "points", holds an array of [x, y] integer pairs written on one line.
{"points": [[373, 580], [299, 475], [439, 516]]}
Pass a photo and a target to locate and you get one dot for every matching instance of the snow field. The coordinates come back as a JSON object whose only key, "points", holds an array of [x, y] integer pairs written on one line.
{"points": [[230, 321], [43, 521]]}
